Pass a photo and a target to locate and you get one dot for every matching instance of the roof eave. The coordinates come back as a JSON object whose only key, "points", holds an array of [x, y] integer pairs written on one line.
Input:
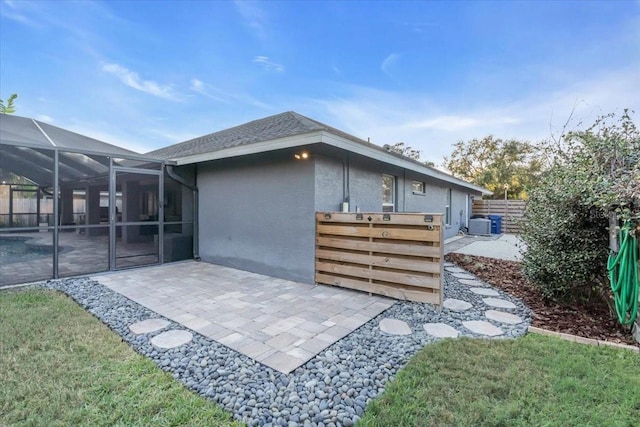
{"points": [[255, 148], [332, 140], [386, 157]]}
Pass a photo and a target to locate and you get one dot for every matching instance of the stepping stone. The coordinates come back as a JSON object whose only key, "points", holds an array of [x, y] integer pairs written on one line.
{"points": [[171, 339], [471, 282], [456, 305], [455, 270], [502, 317], [498, 302], [440, 330], [483, 328], [463, 276], [149, 325], [485, 292], [395, 327]]}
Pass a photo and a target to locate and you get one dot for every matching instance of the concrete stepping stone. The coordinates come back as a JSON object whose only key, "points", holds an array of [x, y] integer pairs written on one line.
{"points": [[498, 302], [395, 327], [455, 270], [463, 276], [171, 339], [471, 282], [482, 327], [440, 330], [485, 291], [456, 305], [149, 325], [502, 317]]}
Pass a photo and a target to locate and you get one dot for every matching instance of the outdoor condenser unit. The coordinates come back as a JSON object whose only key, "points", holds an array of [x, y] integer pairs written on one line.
{"points": [[479, 226]]}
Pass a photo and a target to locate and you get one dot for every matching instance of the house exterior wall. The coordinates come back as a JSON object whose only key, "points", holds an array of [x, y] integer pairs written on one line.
{"points": [[364, 190], [257, 213]]}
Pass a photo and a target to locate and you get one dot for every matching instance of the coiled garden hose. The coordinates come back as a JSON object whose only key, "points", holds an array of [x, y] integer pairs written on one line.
{"points": [[623, 275]]}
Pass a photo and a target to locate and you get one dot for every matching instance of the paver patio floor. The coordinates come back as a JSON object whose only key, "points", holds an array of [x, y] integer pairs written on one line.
{"points": [[277, 322]]}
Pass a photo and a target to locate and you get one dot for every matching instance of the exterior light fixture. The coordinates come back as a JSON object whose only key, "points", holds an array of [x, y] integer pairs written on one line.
{"points": [[301, 156]]}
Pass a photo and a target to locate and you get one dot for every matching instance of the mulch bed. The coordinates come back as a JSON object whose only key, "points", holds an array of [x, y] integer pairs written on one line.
{"points": [[592, 321]]}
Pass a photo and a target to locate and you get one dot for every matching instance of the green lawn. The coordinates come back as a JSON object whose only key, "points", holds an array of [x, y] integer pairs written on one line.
{"points": [[531, 381], [61, 366]]}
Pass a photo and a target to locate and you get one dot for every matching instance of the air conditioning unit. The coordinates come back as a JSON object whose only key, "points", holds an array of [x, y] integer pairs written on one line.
{"points": [[479, 226]]}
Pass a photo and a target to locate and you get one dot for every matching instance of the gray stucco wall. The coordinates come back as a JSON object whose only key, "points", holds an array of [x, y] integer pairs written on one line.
{"points": [[257, 214], [365, 189]]}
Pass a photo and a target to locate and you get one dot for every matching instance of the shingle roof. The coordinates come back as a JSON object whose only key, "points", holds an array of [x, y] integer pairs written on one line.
{"points": [[281, 126], [269, 128]]}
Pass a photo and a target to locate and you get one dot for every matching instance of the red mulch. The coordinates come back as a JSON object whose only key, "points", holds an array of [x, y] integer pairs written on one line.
{"points": [[593, 321]]}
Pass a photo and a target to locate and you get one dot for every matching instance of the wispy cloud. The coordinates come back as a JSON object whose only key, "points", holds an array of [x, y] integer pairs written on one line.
{"points": [[219, 95], [11, 11], [456, 123], [389, 63], [432, 126], [132, 79], [268, 64], [254, 17], [44, 118]]}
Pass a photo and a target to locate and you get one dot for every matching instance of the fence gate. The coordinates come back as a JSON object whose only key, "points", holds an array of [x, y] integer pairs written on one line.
{"points": [[399, 255]]}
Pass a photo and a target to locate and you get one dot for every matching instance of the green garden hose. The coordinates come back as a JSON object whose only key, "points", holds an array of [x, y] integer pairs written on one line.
{"points": [[623, 275]]}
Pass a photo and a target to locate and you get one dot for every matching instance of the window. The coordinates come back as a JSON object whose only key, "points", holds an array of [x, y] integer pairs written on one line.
{"points": [[417, 187], [388, 193], [447, 211]]}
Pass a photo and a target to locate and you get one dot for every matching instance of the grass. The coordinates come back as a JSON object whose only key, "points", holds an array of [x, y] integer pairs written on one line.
{"points": [[61, 366], [534, 380]]}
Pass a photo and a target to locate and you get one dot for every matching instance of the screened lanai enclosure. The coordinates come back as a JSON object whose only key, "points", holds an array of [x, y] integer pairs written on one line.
{"points": [[73, 205]]}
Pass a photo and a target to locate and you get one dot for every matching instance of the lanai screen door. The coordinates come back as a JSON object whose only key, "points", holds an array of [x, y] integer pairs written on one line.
{"points": [[135, 231]]}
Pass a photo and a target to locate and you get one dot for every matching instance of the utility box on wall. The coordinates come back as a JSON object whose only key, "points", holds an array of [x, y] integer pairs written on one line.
{"points": [[480, 226]]}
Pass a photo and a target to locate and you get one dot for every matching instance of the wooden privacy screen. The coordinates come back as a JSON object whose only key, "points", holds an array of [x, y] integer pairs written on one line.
{"points": [[399, 255], [511, 212]]}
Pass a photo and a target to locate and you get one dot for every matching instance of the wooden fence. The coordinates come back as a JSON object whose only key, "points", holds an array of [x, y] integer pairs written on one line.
{"points": [[399, 255], [511, 212]]}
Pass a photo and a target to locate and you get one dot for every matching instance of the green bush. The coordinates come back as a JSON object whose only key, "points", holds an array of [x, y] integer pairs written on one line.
{"points": [[594, 174], [567, 242]]}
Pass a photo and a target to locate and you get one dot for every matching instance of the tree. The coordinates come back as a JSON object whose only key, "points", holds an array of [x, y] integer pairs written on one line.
{"points": [[10, 107], [405, 150], [409, 152], [502, 166], [593, 173]]}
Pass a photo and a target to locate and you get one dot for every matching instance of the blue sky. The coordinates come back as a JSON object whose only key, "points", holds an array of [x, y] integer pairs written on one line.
{"points": [[147, 74]]}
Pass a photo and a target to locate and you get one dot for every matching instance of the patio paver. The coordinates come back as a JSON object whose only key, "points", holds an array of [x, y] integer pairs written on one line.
{"points": [[277, 322], [498, 302], [456, 305], [395, 327], [148, 326], [171, 339]]}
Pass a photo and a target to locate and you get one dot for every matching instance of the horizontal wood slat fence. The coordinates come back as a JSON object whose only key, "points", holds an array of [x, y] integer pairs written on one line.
{"points": [[511, 212], [399, 255]]}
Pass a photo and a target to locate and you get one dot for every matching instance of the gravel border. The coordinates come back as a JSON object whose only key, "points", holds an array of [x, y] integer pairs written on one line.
{"points": [[331, 389]]}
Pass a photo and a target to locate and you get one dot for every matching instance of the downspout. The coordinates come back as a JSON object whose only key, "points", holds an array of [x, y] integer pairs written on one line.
{"points": [[196, 238], [345, 181]]}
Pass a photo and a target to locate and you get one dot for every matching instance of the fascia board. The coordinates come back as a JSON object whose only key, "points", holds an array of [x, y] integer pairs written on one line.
{"points": [[329, 139], [258, 147], [372, 153]]}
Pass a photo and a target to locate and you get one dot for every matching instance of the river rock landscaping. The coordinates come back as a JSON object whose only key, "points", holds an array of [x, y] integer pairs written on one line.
{"points": [[335, 386]]}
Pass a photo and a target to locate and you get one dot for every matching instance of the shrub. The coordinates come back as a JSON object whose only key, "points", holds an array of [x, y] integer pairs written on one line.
{"points": [[594, 174], [567, 242]]}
